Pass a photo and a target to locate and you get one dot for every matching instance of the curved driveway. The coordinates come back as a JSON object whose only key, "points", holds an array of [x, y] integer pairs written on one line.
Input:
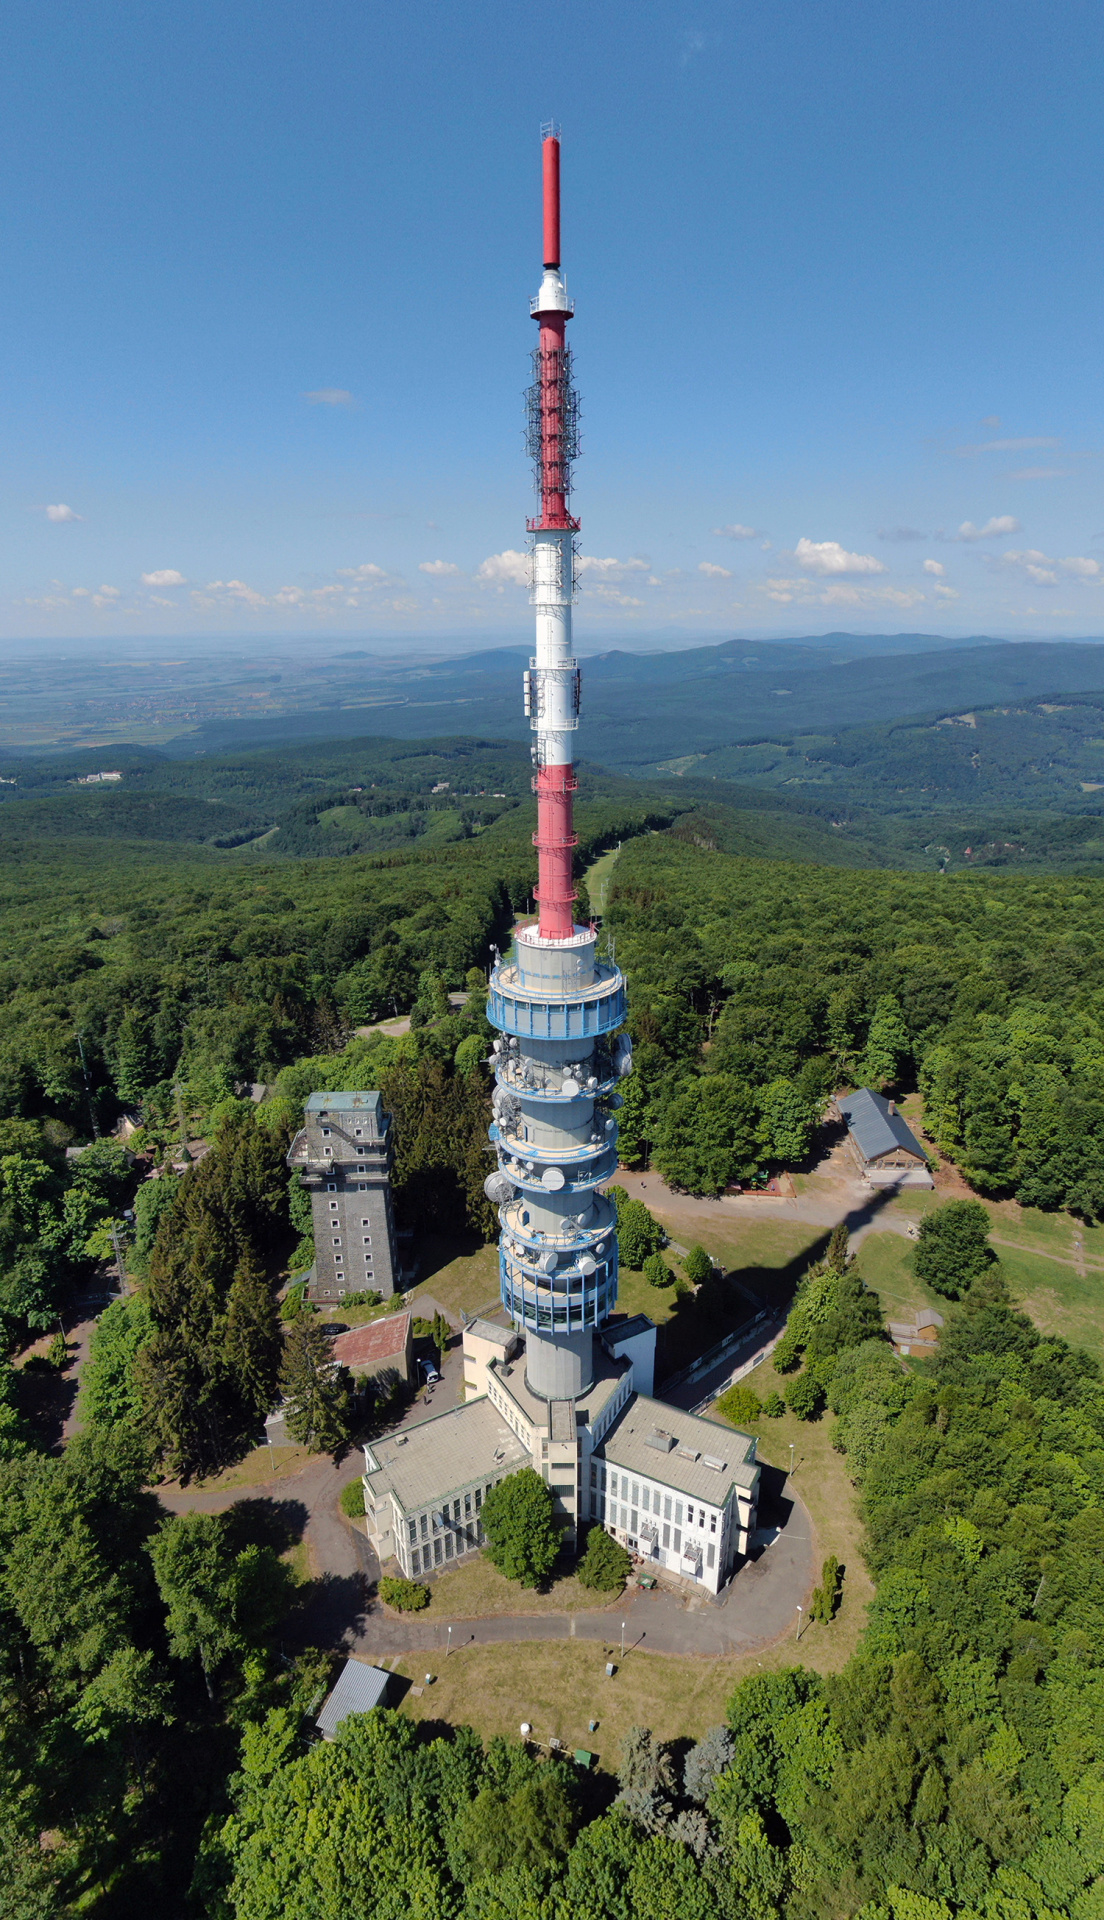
{"points": [[759, 1604]]}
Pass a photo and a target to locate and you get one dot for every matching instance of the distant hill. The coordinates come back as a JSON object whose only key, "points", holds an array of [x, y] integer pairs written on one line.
{"points": [[650, 713]]}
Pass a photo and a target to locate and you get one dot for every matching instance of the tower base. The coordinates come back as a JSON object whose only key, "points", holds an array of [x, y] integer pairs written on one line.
{"points": [[560, 1369]]}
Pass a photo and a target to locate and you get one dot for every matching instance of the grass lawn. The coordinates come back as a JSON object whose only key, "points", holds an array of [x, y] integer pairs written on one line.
{"points": [[477, 1588], [259, 1469], [821, 1479], [597, 880], [463, 1281]]}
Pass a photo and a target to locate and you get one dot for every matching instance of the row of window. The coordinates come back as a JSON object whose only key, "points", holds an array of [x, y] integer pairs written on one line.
{"points": [[648, 1499], [626, 1521]]}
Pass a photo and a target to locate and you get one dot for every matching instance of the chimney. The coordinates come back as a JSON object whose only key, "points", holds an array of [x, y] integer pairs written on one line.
{"points": [[892, 1108]]}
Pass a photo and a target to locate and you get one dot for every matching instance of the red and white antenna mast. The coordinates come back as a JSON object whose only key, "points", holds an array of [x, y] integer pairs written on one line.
{"points": [[552, 682]]}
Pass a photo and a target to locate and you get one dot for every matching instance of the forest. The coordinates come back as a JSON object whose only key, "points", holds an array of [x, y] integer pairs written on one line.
{"points": [[157, 1684], [758, 987]]}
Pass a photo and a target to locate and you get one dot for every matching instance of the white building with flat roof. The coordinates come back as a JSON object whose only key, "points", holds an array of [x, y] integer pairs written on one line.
{"points": [[677, 1490]]}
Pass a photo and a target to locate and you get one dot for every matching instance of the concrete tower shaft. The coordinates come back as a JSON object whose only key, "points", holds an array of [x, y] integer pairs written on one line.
{"points": [[555, 1004]]}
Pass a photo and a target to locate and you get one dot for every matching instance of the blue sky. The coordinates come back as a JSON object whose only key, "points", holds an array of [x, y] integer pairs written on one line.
{"points": [[838, 280]]}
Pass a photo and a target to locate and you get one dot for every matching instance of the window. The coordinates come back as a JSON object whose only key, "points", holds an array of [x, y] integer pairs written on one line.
{"points": [[678, 1541], [701, 1517], [325, 1133], [338, 1260], [357, 1132], [415, 1561], [328, 1151], [712, 1523], [635, 1521], [367, 1241], [667, 1507], [467, 1506], [337, 1241], [362, 1186], [644, 1500], [331, 1187], [593, 1474], [678, 1513], [666, 1536], [710, 1555], [478, 1498], [362, 1169], [412, 1529], [450, 1546], [424, 1525], [437, 1553]]}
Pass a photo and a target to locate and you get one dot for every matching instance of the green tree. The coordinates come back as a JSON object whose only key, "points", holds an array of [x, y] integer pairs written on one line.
{"points": [[605, 1565], [740, 1404], [698, 1265], [639, 1233], [517, 1519], [656, 1271], [706, 1138], [110, 1393], [887, 1045], [788, 1119], [530, 1827], [805, 1396], [220, 1598], [318, 1392], [952, 1247]]}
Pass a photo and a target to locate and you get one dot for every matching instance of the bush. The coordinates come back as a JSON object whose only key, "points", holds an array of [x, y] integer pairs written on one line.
{"points": [[698, 1265], [774, 1406], [740, 1404], [295, 1302], [638, 1233], [805, 1396], [605, 1565], [825, 1598], [656, 1271], [406, 1596], [352, 1500]]}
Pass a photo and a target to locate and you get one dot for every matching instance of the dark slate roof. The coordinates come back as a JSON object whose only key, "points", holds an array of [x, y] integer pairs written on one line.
{"points": [[359, 1688], [873, 1128]]}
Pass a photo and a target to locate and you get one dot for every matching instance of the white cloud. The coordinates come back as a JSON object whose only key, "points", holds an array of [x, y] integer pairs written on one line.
{"points": [[827, 556], [437, 567], [715, 573], [946, 593], [609, 568], [106, 597], [233, 592], [936, 567], [164, 577], [61, 513], [81, 593], [1041, 473], [366, 575], [159, 600], [329, 397], [1037, 566], [839, 593], [502, 569], [1006, 446], [737, 532], [1041, 568], [993, 528]]}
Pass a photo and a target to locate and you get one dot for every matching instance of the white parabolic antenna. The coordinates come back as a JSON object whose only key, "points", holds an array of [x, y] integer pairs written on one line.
{"points": [[552, 1178], [569, 1088]]}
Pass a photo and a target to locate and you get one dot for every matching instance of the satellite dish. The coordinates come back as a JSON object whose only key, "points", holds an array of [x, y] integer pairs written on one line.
{"points": [[587, 1265], [548, 1262], [552, 1178], [624, 1065], [497, 1047], [569, 1089], [601, 1250], [498, 1189], [592, 1082]]}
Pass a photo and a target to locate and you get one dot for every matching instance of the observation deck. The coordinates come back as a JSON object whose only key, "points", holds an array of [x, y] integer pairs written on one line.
{"points": [[517, 1007]]}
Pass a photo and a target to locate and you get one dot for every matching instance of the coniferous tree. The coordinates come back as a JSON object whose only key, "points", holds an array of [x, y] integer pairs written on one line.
{"points": [[318, 1392]]}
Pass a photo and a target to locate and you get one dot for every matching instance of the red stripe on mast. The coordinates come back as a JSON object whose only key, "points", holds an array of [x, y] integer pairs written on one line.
{"points": [[551, 157]]}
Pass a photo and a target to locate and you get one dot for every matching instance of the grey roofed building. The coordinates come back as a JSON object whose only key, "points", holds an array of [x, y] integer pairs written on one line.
{"points": [[695, 1455], [464, 1444], [359, 1688], [880, 1138]]}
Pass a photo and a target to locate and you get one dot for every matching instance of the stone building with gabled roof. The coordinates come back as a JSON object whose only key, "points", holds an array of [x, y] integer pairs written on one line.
{"points": [[882, 1144], [342, 1155]]}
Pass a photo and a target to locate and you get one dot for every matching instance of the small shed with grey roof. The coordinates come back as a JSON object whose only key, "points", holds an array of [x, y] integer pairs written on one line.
{"points": [[359, 1689], [882, 1142]]}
